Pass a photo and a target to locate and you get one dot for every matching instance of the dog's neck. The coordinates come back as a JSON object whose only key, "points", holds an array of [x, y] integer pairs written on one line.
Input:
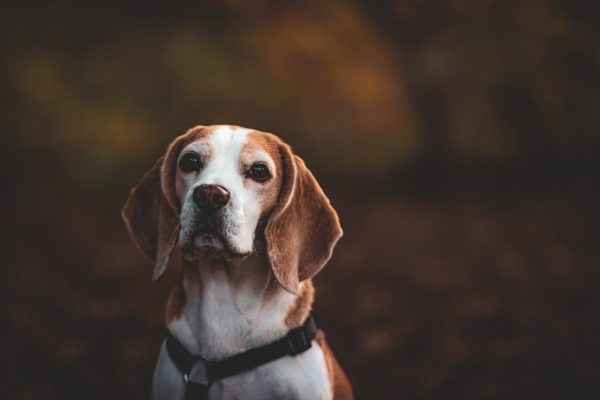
{"points": [[226, 306]]}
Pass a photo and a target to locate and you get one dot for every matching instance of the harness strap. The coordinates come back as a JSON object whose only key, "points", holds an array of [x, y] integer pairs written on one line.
{"points": [[295, 342]]}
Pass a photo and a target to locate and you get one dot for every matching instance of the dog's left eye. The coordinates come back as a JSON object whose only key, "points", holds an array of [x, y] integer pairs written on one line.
{"points": [[259, 172], [190, 162]]}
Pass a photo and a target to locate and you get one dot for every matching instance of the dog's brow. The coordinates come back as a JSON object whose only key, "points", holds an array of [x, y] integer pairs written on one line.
{"points": [[251, 156], [200, 146]]}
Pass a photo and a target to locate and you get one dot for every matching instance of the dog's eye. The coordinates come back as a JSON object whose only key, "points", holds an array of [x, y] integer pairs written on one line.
{"points": [[259, 172], [190, 162]]}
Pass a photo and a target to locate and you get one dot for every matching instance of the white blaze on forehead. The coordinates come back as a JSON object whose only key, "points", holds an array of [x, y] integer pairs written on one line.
{"points": [[226, 143]]}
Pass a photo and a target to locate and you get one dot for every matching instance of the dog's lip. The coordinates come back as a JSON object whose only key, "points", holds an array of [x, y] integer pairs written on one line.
{"points": [[206, 229], [192, 250]]}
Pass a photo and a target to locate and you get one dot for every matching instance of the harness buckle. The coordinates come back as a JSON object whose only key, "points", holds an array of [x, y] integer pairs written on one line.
{"points": [[197, 374]]}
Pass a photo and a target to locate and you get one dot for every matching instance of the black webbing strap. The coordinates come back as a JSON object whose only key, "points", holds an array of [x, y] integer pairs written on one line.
{"points": [[295, 342]]}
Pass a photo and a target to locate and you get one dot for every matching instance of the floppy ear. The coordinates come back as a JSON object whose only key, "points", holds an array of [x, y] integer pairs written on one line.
{"points": [[152, 221], [303, 227]]}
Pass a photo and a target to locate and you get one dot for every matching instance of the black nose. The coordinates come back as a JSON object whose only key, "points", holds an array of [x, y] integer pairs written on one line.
{"points": [[211, 197]]}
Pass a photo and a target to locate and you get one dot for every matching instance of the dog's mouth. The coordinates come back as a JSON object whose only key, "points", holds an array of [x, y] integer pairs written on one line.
{"points": [[205, 236], [207, 241]]}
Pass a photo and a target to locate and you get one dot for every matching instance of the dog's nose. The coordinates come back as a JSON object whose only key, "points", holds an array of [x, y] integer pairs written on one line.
{"points": [[211, 197]]}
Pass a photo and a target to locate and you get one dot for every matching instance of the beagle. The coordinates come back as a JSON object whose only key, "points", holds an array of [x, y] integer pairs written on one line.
{"points": [[254, 227]]}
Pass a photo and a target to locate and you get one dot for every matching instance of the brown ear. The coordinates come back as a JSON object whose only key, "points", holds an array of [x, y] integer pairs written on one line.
{"points": [[152, 222], [303, 227]]}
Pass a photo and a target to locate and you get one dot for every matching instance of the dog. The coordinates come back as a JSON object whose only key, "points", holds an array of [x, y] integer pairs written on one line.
{"points": [[253, 227]]}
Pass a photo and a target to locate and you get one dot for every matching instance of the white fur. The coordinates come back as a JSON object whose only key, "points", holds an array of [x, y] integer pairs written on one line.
{"points": [[222, 318]]}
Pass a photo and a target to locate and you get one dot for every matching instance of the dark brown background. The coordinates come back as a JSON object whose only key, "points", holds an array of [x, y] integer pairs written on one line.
{"points": [[458, 141]]}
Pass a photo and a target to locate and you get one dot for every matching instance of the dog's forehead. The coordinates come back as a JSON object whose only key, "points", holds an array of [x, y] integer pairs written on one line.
{"points": [[230, 141]]}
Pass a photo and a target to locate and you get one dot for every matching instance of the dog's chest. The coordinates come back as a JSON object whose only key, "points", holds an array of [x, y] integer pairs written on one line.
{"points": [[301, 377], [220, 320]]}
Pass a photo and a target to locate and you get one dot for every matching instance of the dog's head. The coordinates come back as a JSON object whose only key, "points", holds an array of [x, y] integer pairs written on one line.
{"points": [[219, 189]]}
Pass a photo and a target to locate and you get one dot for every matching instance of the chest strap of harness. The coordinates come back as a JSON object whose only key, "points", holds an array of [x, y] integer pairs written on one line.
{"points": [[199, 374]]}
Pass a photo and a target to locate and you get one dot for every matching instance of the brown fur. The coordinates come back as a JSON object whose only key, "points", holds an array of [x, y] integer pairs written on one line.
{"points": [[152, 222], [340, 385], [303, 227], [302, 306], [269, 144]]}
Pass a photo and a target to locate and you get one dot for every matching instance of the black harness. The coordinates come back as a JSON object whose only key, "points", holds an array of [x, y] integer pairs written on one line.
{"points": [[199, 374]]}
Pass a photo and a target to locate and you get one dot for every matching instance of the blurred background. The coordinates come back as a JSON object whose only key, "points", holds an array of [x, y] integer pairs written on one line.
{"points": [[457, 140]]}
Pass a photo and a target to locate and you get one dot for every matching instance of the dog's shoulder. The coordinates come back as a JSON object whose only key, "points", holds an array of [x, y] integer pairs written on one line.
{"points": [[342, 390]]}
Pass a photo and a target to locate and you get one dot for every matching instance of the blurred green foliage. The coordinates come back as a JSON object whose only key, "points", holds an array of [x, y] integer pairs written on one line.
{"points": [[100, 88]]}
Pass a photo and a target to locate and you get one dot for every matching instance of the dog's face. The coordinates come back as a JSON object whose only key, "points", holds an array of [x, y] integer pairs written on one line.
{"points": [[226, 180], [220, 188]]}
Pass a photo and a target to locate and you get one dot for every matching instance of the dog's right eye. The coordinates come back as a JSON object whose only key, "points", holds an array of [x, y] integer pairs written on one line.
{"points": [[190, 162]]}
